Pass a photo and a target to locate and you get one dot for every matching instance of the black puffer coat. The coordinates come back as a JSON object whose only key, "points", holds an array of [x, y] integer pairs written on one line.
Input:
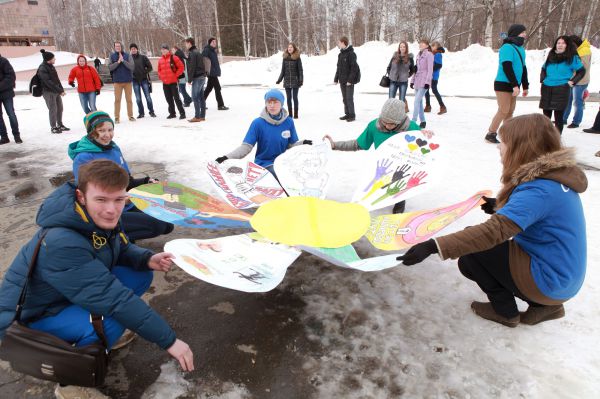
{"points": [[291, 70], [7, 79], [347, 67], [49, 78]]}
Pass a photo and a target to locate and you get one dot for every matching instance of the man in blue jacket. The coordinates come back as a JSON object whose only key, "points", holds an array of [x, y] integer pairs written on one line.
{"points": [[86, 265], [121, 68]]}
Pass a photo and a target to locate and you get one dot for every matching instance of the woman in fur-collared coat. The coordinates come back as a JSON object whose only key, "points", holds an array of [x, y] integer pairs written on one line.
{"points": [[292, 76], [539, 207]]}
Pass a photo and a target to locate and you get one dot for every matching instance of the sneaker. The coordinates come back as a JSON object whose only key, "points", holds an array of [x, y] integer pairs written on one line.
{"points": [[399, 207], [125, 339], [492, 138], [592, 130], [117, 120], [140, 116], [63, 128], [171, 116], [427, 108], [196, 120], [131, 119], [75, 392], [182, 116], [4, 140], [422, 125], [343, 118], [486, 311], [572, 126], [443, 110], [56, 130], [350, 119], [223, 108], [538, 314], [18, 139], [152, 114]]}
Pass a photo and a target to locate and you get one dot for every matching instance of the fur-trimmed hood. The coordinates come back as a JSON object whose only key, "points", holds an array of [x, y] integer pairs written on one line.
{"points": [[559, 166], [294, 56]]}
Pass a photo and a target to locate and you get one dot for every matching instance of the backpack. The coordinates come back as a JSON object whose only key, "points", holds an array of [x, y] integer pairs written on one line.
{"points": [[357, 74], [35, 86]]}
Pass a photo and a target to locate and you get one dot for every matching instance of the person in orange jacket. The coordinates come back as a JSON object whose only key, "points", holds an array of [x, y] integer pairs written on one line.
{"points": [[88, 83], [169, 69]]}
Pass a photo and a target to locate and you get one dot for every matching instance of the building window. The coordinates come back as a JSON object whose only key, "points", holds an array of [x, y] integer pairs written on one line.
{"points": [[32, 2]]}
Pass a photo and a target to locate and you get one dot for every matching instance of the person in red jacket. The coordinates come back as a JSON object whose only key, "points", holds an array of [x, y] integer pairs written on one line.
{"points": [[88, 83], [169, 69]]}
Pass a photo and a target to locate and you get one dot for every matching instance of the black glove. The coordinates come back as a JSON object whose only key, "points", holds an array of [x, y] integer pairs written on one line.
{"points": [[279, 81], [418, 253], [97, 92], [426, 87], [300, 83], [72, 84], [489, 205], [308, 142], [412, 85], [221, 159]]}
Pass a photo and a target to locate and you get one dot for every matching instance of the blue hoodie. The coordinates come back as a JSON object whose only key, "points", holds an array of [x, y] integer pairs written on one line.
{"points": [[70, 270]]}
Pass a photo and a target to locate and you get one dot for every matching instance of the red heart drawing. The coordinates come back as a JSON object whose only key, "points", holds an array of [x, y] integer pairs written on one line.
{"points": [[434, 146]]}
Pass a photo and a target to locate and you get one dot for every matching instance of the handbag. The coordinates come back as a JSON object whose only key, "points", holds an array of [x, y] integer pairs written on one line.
{"points": [[47, 357], [385, 81]]}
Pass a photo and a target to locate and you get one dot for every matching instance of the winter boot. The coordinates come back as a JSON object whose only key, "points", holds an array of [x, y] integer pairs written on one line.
{"points": [[152, 114], [443, 110], [140, 116], [75, 392], [63, 128], [222, 108], [343, 118], [486, 311], [182, 116], [55, 130], [296, 114], [427, 108], [18, 138], [131, 119], [422, 125], [538, 314], [491, 138], [572, 126], [4, 140]]}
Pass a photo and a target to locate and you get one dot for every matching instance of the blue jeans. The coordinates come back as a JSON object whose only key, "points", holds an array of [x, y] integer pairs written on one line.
{"points": [[137, 89], [88, 101], [577, 94], [12, 117], [72, 324], [187, 100], [419, 110], [198, 97], [398, 86]]}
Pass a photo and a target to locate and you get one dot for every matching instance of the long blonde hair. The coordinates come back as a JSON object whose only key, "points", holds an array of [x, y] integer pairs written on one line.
{"points": [[525, 139]]}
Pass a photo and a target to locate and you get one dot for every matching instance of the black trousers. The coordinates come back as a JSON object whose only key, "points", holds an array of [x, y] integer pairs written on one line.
{"points": [[558, 118], [172, 96], [292, 94], [139, 226], [490, 270], [436, 93], [213, 82], [348, 99]]}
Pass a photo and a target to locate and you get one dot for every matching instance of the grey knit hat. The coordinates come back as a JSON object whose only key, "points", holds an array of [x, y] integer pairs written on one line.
{"points": [[393, 111]]}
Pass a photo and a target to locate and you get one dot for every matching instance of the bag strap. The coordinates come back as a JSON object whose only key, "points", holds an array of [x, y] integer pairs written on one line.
{"points": [[96, 320], [519, 54]]}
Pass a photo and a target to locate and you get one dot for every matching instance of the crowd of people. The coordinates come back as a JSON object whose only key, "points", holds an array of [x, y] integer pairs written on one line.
{"points": [[532, 247]]}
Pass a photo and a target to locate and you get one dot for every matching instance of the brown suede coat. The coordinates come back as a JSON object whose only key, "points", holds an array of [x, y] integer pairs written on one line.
{"points": [[559, 166]]}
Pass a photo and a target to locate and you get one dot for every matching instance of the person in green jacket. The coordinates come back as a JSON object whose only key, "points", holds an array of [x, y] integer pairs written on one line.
{"points": [[392, 120]]}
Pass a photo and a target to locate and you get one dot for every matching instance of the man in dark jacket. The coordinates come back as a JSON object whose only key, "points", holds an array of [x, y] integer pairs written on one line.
{"points": [[7, 93], [347, 75], [196, 77], [86, 265], [97, 64], [121, 68], [141, 80], [187, 100], [53, 91], [210, 52]]}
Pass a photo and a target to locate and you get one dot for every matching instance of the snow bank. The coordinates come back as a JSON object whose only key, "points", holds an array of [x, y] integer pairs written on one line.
{"points": [[33, 61]]}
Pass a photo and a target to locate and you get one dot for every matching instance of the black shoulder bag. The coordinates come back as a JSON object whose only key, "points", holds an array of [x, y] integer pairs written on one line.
{"points": [[47, 357]]}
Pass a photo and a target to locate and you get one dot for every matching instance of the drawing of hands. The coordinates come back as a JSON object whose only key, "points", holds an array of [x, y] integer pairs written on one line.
{"points": [[415, 179], [377, 185], [395, 188], [399, 174], [381, 170]]}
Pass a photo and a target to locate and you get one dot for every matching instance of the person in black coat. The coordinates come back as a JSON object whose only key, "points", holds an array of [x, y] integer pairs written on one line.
{"points": [[196, 77], [141, 80], [53, 91], [97, 64], [187, 100], [347, 75], [292, 76], [7, 93], [214, 71]]}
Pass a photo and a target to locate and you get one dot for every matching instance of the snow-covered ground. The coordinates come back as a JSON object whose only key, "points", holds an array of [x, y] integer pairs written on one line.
{"points": [[33, 61], [405, 330]]}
